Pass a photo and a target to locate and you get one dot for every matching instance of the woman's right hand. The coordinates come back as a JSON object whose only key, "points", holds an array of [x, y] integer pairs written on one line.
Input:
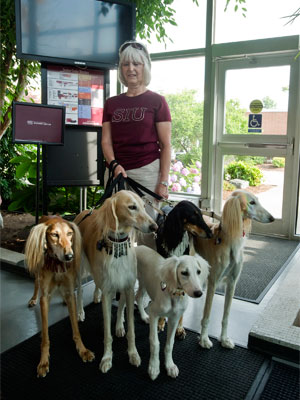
{"points": [[120, 170]]}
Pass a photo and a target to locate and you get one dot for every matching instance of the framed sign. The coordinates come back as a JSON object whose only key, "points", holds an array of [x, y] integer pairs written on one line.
{"points": [[38, 123]]}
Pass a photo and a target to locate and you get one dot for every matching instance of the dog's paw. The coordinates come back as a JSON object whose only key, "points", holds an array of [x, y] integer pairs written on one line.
{"points": [[205, 342], [161, 324], [120, 331], [105, 364], [227, 343], [172, 371], [32, 302], [180, 333], [153, 370], [42, 369], [97, 296], [134, 359], [81, 316], [87, 355]]}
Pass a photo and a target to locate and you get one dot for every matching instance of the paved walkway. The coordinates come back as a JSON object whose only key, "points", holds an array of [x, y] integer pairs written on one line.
{"points": [[272, 199]]}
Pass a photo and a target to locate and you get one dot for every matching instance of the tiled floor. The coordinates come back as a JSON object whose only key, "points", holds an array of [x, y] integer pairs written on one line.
{"points": [[18, 322]]}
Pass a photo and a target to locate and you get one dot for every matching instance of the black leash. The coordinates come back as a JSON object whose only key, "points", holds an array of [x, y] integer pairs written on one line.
{"points": [[118, 184]]}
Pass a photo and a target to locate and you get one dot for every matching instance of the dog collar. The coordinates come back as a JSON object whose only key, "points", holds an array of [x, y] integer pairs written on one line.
{"points": [[116, 247], [177, 292]]}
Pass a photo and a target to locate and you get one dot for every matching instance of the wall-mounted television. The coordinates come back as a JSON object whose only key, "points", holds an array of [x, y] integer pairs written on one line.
{"points": [[85, 33]]}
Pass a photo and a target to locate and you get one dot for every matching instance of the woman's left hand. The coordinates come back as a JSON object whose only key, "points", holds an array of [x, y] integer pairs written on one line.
{"points": [[162, 191]]}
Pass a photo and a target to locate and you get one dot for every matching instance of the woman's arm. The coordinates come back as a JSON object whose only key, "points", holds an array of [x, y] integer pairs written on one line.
{"points": [[108, 150], [164, 137]]}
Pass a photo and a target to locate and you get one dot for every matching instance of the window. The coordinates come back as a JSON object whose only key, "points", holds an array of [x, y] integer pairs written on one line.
{"points": [[264, 19], [185, 35]]}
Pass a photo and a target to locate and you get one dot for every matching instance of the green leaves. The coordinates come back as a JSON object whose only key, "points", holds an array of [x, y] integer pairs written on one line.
{"points": [[245, 171], [238, 5], [152, 17], [187, 120]]}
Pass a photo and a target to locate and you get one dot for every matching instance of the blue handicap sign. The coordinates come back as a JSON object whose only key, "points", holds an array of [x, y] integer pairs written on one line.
{"points": [[254, 122]]}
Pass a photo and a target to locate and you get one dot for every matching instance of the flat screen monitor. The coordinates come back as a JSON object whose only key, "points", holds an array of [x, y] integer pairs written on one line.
{"points": [[73, 32], [38, 123]]}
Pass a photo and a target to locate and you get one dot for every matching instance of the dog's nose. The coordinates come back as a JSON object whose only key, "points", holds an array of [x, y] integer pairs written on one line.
{"points": [[198, 293], [153, 227], [69, 257]]}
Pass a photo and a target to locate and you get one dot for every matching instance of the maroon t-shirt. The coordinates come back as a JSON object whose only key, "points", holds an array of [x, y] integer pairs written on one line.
{"points": [[133, 127]]}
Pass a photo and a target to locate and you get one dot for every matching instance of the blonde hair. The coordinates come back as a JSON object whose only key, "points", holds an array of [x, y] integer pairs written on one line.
{"points": [[132, 54]]}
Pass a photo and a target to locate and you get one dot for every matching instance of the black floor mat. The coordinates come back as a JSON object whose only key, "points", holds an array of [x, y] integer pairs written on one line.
{"points": [[204, 374], [275, 388], [265, 258]]}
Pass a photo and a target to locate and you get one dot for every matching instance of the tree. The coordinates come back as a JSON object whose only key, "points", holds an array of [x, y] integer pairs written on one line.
{"points": [[15, 74], [268, 103], [187, 120], [236, 118]]}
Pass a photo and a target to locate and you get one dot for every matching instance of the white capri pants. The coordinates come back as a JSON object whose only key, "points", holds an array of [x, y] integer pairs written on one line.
{"points": [[148, 176]]}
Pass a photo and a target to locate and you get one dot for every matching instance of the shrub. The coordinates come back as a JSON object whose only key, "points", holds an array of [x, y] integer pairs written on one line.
{"points": [[228, 186], [278, 162], [255, 160], [242, 170], [185, 179]]}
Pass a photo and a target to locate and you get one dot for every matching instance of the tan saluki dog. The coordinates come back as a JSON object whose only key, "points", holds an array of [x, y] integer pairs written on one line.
{"points": [[108, 240], [224, 253], [53, 254]]}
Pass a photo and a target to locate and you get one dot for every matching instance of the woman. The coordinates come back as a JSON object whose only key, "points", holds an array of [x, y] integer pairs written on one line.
{"points": [[136, 130]]}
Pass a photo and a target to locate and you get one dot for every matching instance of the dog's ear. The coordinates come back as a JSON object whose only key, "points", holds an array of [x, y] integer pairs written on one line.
{"points": [[173, 227], [110, 221], [77, 242], [205, 269], [169, 273], [35, 247], [232, 216]]}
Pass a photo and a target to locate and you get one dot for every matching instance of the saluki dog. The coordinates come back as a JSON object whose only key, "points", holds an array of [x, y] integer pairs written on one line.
{"points": [[108, 239], [52, 254], [168, 282], [176, 229], [224, 253]]}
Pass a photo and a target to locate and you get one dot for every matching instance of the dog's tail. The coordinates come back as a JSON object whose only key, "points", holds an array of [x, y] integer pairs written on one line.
{"points": [[35, 248]]}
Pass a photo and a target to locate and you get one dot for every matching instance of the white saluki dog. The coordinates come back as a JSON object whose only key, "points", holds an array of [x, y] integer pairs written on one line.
{"points": [[224, 253], [107, 236], [168, 283]]}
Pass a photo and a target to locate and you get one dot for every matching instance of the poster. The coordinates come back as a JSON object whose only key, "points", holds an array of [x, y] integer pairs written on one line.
{"points": [[80, 91]]}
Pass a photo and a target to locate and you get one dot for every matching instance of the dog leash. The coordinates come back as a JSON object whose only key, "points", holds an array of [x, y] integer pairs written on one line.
{"points": [[118, 184], [211, 214]]}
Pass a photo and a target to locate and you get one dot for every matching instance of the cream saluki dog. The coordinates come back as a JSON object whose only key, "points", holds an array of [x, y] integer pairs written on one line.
{"points": [[52, 254], [108, 244], [224, 253], [168, 282]]}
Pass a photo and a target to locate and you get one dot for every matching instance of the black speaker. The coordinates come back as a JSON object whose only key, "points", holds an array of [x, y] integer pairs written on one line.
{"points": [[79, 162]]}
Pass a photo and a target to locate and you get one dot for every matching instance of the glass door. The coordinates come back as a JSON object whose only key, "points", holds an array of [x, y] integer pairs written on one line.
{"points": [[255, 131]]}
